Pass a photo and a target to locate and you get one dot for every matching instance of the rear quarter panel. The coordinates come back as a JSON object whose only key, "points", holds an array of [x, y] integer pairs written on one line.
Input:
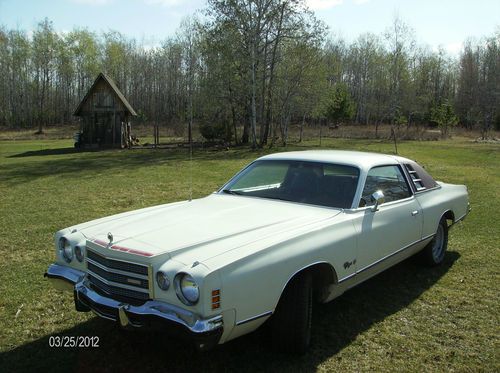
{"points": [[435, 202]]}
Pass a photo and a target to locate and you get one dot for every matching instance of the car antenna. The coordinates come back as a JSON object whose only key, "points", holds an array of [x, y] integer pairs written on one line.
{"points": [[190, 165], [190, 135]]}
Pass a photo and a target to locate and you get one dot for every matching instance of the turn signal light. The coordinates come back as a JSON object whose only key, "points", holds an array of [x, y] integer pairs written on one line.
{"points": [[215, 299]]}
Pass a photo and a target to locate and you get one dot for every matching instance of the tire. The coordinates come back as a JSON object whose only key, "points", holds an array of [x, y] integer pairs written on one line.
{"points": [[291, 323], [435, 251]]}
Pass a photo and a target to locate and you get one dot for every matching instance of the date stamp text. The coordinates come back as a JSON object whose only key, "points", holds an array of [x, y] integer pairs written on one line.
{"points": [[72, 341]]}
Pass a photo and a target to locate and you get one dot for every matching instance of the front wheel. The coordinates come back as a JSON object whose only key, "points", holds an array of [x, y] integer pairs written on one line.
{"points": [[435, 250], [291, 322]]}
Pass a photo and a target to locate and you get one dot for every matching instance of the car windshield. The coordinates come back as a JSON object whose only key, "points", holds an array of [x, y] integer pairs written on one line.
{"points": [[315, 183]]}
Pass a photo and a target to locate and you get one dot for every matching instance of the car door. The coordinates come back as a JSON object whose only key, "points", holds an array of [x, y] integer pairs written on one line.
{"points": [[396, 223]]}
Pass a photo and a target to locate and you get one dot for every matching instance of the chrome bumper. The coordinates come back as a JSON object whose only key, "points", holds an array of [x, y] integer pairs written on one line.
{"points": [[136, 316], [62, 277]]}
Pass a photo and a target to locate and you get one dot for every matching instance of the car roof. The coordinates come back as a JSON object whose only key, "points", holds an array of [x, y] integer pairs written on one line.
{"points": [[363, 160]]}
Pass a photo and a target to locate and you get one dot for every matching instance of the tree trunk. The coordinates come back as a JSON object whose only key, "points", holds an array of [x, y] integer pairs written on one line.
{"points": [[269, 102], [253, 109], [302, 127]]}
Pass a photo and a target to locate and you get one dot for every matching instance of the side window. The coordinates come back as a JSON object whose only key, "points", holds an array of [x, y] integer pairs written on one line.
{"points": [[388, 179]]}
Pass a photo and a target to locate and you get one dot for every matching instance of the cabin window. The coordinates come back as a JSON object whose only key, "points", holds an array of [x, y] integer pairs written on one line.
{"points": [[103, 100]]}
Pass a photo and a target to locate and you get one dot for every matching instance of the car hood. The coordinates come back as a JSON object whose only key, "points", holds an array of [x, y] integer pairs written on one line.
{"points": [[204, 227]]}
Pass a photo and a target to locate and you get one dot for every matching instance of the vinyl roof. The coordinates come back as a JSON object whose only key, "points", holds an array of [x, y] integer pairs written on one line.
{"points": [[363, 160]]}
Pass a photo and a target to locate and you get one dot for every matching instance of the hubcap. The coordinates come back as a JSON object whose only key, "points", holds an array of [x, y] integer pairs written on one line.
{"points": [[437, 248]]}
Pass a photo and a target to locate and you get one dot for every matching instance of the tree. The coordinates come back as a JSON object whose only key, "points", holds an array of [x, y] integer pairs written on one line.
{"points": [[489, 84], [84, 50], [338, 106], [44, 55], [478, 98], [189, 40], [257, 31], [399, 41], [444, 116]]}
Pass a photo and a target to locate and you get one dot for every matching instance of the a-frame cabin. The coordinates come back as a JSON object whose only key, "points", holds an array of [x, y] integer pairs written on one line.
{"points": [[105, 116]]}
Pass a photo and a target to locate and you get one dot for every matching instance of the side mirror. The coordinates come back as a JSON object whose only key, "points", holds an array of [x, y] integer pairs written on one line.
{"points": [[379, 198]]}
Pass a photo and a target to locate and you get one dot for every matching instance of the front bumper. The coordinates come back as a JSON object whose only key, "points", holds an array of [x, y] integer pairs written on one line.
{"points": [[151, 315]]}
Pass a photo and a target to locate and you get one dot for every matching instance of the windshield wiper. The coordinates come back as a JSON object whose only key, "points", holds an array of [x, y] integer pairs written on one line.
{"points": [[238, 193], [233, 192], [279, 198]]}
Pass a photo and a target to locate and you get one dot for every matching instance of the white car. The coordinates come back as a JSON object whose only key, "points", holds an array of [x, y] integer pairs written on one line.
{"points": [[288, 229]]}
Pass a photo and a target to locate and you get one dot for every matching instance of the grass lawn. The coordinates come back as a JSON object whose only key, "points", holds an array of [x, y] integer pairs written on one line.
{"points": [[410, 318]]}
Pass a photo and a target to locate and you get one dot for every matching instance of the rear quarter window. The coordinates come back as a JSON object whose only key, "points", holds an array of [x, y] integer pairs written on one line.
{"points": [[420, 179]]}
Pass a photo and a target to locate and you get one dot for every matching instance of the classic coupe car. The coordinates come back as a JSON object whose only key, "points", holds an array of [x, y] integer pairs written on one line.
{"points": [[288, 229]]}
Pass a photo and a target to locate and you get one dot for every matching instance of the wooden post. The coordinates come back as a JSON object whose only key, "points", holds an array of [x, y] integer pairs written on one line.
{"points": [[114, 127], [393, 134]]}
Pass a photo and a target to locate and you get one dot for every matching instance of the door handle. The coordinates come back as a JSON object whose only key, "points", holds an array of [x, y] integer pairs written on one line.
{"points": [[413, 213]]}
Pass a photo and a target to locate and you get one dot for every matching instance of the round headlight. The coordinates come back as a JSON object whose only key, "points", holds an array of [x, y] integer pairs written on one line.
{"points": [[187, 289], [162, 280], [65, 249], [79, 253]]}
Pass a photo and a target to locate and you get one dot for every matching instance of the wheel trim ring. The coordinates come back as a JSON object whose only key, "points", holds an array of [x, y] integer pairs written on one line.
{"points": [[437, 248]]}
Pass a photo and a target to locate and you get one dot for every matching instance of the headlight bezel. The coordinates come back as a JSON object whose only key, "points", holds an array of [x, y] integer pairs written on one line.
{"points": [[65, 249], [162, 280], [79, 252], [180, 279]]}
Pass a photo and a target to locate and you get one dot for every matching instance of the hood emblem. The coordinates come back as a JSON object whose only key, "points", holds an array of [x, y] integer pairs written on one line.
{"points": [[110, 237]]}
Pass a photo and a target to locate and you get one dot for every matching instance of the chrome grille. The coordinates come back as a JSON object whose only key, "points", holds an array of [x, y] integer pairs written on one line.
{"points": [[117, 279], [118, 264], [113, 290]]}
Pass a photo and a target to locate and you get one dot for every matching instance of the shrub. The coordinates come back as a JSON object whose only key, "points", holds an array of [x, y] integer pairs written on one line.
{"points": [[217, 131]]}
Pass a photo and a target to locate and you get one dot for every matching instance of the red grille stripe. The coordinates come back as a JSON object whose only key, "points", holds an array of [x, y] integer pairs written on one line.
{"points": [[124, 249], [131, 251]]}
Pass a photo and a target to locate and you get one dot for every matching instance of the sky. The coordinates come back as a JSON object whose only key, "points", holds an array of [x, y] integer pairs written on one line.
{"points": [[436, 23]]}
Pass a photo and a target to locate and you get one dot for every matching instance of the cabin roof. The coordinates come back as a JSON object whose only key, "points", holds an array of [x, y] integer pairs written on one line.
{"points": [[114, 88]]}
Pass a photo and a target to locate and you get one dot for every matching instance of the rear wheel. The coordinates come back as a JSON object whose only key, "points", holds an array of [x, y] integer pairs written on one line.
{"points": [[435, 250], [291, 322]]}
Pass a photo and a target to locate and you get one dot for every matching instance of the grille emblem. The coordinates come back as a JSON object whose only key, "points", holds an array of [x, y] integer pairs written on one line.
{"points": [[132, 281]]}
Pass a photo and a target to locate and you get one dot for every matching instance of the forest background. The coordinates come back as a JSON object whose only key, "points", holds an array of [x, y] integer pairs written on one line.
{"points": [[246, 71]]}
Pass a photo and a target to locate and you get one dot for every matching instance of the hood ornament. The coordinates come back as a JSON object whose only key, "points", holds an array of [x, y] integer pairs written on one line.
{"points": [[110, 237]]}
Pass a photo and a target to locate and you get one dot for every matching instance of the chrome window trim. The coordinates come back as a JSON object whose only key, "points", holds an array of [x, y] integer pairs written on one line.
{"points": [[360, 173], [358, 209], [427, 190]]}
